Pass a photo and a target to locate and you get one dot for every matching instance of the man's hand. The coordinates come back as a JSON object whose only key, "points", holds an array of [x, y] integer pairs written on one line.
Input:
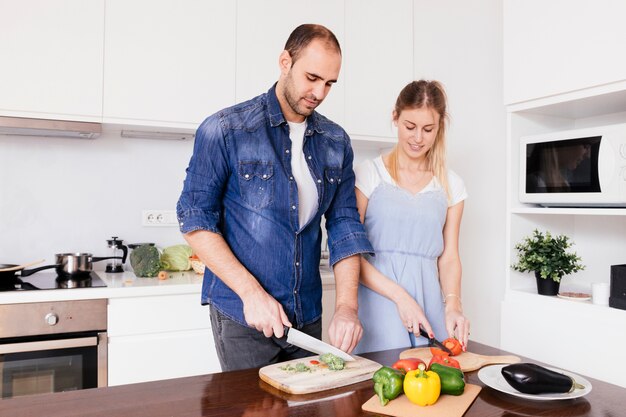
{"points": [[345, 329], [265, 314]]}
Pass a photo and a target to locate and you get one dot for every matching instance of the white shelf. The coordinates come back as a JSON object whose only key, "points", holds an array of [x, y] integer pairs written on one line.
{"points": [[569, 211]]}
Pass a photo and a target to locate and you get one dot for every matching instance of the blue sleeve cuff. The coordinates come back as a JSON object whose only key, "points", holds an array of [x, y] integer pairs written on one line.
{"points": [[351, 244], [191, 220]]}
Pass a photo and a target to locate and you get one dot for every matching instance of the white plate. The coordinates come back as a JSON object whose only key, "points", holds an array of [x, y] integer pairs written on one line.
{"points": [[492, 377]]}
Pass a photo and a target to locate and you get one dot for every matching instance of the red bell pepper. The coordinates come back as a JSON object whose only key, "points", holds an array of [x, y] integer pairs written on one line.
{"points": [[407, 364], [454, 345], [445, 360]]}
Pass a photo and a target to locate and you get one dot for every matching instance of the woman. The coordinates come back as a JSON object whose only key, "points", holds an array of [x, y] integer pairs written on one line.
{"points": [[411, 206]]}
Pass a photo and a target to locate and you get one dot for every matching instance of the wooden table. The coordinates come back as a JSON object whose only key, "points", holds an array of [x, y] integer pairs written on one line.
{"points": [[242, 393]]}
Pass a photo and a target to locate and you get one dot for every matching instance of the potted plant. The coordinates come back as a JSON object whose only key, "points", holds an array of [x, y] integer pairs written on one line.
{"points": [[547, 256]]}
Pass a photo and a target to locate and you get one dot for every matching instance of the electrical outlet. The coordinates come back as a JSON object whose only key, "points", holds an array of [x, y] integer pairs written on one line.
{"points": [[159, 218]]}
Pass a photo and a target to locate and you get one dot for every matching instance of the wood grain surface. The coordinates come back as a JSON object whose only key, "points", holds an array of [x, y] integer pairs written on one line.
{"points": [[468, 361], [320, 378], [446, 405]]}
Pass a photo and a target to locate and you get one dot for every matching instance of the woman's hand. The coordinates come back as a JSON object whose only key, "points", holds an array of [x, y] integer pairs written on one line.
{"points": [[412, 315], [457, 324]]}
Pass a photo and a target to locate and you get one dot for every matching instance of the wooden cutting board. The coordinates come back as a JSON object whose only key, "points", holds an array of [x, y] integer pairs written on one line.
{"points": [[320, 379], [468, 361], [446, 405]]}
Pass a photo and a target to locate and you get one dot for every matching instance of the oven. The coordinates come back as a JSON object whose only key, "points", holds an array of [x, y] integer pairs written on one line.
{"points": [[52, 346]]}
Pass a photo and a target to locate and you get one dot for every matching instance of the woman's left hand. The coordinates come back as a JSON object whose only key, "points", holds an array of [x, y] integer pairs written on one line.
{"points": [[457, 325]]}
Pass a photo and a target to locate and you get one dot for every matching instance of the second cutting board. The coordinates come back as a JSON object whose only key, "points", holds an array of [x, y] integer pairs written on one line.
{"points": [[469, 361], [320, 378]]}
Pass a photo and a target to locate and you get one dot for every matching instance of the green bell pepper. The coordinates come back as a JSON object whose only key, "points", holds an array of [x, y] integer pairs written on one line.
{"points": [[388, 384], [452, 379]]}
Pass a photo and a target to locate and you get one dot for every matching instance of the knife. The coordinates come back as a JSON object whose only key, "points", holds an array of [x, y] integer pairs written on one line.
{"points": [[306, 342], [434, 342]]}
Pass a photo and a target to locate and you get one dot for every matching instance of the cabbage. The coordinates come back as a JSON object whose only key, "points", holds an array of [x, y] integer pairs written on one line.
{"points": [[176, 258]]}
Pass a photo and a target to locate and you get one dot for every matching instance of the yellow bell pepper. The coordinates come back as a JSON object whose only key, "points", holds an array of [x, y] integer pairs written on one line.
{"points": [[422, 387]]}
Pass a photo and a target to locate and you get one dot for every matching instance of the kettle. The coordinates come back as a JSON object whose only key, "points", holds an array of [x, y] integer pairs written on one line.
{"points": [[116, 245]]}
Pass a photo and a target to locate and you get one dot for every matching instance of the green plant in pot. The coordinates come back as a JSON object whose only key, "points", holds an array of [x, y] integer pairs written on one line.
{"points": [[548, 258]]}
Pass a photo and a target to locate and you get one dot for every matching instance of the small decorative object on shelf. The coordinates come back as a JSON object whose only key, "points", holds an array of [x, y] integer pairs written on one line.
{"points": [[547, 257]]}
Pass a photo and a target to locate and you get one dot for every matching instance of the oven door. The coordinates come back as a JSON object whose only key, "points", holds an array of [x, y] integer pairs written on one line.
{"points": [[53, 363]]}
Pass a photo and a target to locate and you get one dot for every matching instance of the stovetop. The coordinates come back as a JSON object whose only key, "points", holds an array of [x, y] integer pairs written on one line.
{"points": [[52, 281]]}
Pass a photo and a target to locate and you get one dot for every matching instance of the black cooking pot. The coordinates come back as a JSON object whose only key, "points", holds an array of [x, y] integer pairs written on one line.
{"points": [[67, 264]]}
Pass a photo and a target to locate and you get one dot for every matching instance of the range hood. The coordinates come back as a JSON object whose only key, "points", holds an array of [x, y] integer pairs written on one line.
{"points": [[21, 126]]}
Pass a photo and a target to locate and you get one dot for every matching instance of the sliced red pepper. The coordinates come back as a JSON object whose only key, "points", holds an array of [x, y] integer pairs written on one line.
{"points": [[438, 352], [407, 364], [454, 345], [314, 362], [445, 360]]}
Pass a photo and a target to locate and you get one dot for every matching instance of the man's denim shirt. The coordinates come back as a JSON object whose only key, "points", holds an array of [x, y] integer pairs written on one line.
{"points": [[239, 184]]}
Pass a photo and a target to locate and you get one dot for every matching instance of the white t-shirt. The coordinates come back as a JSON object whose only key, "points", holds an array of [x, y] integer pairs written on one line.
{"points": [[307, 190], [367, 179]]}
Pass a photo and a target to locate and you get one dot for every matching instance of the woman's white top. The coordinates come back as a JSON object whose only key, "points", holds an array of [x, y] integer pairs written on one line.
{"points": [[367, 179]]}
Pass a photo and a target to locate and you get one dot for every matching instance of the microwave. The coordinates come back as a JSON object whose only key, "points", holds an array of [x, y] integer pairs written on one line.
{"points": [[574, 168]]}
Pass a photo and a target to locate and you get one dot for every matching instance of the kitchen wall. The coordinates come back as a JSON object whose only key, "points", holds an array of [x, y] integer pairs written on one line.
{"points": [[70, 195]]}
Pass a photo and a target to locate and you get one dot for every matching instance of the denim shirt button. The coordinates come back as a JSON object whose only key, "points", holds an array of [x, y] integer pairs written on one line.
{"points": [[290, 178], [293, 207], [264, 176], [297, 263], [286, 150], [309, 156], [332, 180], [246, 176], [319, 181]]}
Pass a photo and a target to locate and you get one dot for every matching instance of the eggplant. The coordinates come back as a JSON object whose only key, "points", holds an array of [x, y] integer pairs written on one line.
{"points": [[531, 378]]}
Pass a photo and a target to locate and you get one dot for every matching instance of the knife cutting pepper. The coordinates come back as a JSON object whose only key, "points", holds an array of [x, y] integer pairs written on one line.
{"points": [[452, 379], [388, 384], [422, 387]]}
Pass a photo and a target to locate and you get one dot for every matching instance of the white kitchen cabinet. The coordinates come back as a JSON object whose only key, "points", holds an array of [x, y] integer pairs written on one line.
{"points": [[555, 46], [262, 30], [159, 337], [168, 63], [328, 301], [52, 56], [378, 63], [532, 324]]}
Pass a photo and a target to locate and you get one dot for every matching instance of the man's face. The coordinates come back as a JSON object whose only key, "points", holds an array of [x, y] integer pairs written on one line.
{"points": [[303, 85]]}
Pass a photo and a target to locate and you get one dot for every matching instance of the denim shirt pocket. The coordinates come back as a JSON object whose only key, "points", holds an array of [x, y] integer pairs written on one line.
{"points": [[256, 183]]}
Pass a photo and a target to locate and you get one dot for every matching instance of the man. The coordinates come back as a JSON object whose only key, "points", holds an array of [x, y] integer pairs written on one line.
{"points": [[262, 174]]}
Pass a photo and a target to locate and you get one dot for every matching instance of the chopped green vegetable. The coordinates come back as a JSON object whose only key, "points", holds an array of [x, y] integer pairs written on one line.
{"points": [[145, 261], [335, 363], [300, 367], [176, 258]]}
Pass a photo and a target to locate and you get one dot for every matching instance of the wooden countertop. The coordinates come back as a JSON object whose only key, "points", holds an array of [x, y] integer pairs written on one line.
{"points": [[242, 393]]}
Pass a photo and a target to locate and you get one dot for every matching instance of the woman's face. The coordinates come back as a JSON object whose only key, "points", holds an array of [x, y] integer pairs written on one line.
{"points": [[417, 130]]}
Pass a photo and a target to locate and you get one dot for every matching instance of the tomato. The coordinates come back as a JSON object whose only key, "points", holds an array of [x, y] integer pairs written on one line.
{"points": [[445, 360], [454, 346], [407, 364], [314, 362]]}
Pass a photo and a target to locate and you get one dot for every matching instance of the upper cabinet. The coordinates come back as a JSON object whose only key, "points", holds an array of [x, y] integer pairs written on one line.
{"points": [[52, 57], [378, 62], [262, 30], [168, 63], [552, 47]]}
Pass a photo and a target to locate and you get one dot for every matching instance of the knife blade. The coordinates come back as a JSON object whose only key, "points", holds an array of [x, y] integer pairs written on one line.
{"points": [[434, 342], [306, 342]]}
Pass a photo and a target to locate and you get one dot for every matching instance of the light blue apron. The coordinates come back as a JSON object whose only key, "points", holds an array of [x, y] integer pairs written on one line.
{"points": [[406, 231]]}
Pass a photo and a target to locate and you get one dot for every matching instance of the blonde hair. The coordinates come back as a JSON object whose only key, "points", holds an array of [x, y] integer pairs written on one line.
{"points": [[430, 95]]}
